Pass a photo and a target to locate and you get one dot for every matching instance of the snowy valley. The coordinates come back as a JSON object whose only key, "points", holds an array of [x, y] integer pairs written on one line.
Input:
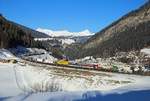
{"points": [[26, 78], [55, 64]]}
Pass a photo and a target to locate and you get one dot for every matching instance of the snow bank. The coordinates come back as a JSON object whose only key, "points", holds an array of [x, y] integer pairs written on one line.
{"points": [[5, 54]]}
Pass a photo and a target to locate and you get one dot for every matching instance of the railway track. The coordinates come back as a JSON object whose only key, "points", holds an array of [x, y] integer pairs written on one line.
{"points": [[51, 65], [70, 67], [74, 67]]}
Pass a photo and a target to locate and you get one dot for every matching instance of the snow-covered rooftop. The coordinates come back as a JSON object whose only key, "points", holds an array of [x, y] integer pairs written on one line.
{"points": [[146, 51]]}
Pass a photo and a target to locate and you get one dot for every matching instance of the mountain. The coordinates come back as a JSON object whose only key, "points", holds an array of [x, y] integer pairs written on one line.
{"points": [[13, 34], [65, 36], [130, 32], [65, 33], [27, 30], [34, 33]]}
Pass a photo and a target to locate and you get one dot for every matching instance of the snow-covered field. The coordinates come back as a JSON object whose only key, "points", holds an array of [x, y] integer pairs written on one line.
{"points": [[8, 86], [40, 79], [24, 82]]}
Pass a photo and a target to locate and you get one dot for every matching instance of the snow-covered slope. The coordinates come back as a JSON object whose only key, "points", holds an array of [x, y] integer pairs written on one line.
{"points": [[34, 79], [67, 41], [46, 58], [64, 33], [21, 51], [62, 40], [65, 37], [5, 54], [77, 80]]}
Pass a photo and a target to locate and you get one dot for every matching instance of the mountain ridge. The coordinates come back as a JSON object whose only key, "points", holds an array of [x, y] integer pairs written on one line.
{"points": [[130, 32], [65, 33], [13, 34]]}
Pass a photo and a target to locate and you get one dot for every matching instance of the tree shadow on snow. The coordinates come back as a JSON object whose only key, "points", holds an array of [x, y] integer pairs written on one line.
{"points": [[129, 96], [21, 98], [4, 98]]}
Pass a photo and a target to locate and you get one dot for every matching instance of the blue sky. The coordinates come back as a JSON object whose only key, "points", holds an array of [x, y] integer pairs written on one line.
{"points": [[72, 15]]}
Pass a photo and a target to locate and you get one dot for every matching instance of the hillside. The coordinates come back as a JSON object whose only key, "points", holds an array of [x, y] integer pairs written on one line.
{"points": [[12, 34], [34, 33], [27, 30], [131, 32]]}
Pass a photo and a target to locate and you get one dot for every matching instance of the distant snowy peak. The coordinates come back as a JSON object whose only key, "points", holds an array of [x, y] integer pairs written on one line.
{"points": [[64, 33]]}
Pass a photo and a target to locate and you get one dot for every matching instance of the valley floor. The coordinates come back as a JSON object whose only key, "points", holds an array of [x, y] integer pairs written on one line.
{"points": [[23, 82]]}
